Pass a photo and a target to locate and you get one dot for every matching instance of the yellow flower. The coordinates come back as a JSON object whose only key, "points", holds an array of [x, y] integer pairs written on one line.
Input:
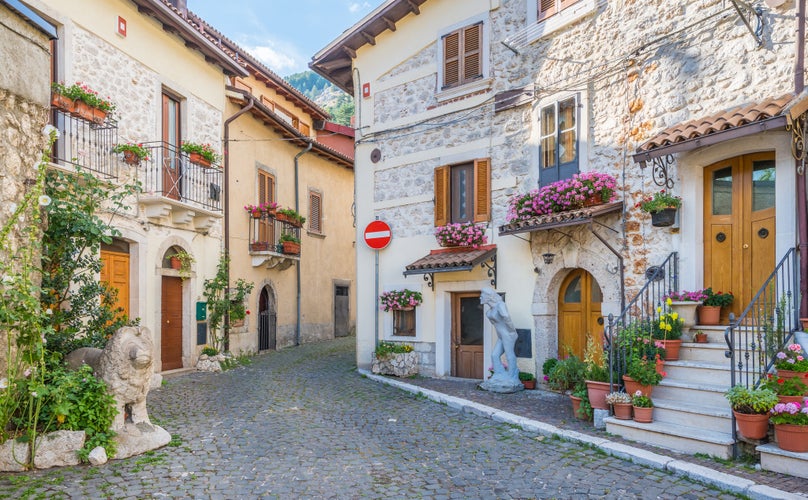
{"points": [[669, 301], [659, 309], [675, 316], [60, 419]]}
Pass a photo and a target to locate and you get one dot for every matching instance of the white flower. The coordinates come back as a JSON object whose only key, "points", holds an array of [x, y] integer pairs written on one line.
{"points": [[7, 280], [44, 200], [26, 373], [50, 129], [49, 311], [3, 383], [33, 393]]}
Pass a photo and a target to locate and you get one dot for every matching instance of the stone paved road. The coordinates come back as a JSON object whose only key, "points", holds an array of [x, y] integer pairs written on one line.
{"points": [[302, 423]]}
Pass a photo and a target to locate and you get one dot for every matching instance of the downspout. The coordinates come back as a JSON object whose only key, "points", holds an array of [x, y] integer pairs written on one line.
{"points": [[226, 208], [802, 215], [297, 209]]}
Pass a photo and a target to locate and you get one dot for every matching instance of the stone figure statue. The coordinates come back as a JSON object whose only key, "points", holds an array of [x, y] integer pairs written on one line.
{"points": [[505, 379], [126, 365]]}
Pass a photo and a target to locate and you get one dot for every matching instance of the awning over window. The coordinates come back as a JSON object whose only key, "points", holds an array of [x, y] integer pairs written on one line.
{"points": [[738, 122], [568, 218], [445, 260]]}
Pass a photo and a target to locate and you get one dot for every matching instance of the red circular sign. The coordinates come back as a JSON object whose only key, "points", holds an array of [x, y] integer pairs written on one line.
{"points": [[378, 235]]}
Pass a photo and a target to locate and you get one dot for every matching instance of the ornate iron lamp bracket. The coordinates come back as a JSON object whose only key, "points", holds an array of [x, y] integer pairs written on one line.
{"points": [[492, 270], [430, 280], [661, 171], [798, 128]]}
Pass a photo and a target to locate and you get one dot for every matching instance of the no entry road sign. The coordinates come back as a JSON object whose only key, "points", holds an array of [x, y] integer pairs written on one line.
{"points": [[377, 235]]}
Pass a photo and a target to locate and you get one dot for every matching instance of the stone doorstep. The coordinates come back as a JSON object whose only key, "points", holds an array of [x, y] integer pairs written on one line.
{"points": [[675, 412], [772, 458], [696, 371], [679, 438], [701, 394]]}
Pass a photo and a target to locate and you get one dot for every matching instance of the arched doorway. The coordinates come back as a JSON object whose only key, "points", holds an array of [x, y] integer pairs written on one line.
{"points": [[267, 320], [579, 314], [171, 316]]}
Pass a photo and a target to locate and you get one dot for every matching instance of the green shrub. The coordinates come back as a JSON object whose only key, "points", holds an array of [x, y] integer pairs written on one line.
{"points": [[567, 374], [385, 349], [548, 365]]}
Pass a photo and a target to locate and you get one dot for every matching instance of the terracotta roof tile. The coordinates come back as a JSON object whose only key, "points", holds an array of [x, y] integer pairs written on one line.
{"points": [[451, 259], [729, 119], [568, 218]]}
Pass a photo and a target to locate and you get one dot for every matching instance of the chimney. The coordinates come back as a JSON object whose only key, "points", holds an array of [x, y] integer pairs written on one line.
{"points": [[181, 6]]}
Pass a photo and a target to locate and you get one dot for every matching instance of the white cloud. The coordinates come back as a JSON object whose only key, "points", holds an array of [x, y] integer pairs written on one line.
{"points": [[279, 61], [355, 7]]}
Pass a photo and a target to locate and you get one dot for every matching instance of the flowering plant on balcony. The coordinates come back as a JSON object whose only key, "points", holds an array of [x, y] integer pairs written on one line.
{"points": [[789, 413], [396, 300], [660, 201], [141, 153], [686, 296], [597, 184], [461, 234], [258, 211], [792, 359], [82, 92], [204, 150], [292, 216], [563, 195], [720, 299]]}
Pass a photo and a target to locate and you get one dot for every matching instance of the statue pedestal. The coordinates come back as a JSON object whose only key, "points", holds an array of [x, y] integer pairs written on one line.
{"points": [[502, 383]]}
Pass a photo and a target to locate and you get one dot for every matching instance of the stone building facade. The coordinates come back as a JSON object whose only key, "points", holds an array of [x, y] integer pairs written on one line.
{"points": [[631, 70]]}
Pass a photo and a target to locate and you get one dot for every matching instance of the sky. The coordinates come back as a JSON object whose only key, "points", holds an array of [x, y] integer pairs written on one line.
{"points": [[283, 34]]}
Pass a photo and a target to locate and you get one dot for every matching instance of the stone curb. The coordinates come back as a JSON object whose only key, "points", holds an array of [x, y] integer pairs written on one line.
{"points": [[677, 467]]}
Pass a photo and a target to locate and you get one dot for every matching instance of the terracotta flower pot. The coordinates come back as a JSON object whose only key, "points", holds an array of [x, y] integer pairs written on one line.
{"points": [[791, 399], [700, 338], [803, 376], [671, 349], [529, 384], [576, 408], [291, 247], [622, 411], [597, 392], [130, 158], [709, 315], [175, 263], [633, 386], [61, 102], [198, 159], [752, 426], [643, 415], [83, 110], [792, 437]]}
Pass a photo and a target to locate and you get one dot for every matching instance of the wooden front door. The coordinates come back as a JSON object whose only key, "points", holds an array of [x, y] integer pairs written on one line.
{"points": [[739, 226], [341, 310], [115, 273], [467, 335], [579, 313], [171, 323]]}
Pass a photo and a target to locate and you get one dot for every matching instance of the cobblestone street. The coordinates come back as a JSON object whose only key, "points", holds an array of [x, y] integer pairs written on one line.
{"points": [[302, 423]]}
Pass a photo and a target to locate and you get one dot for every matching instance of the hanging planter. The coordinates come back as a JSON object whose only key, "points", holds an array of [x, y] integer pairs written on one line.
{"points": [[663, 218]]}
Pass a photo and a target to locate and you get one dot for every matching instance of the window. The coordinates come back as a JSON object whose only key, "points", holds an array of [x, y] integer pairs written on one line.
{"points": [[463, 192], [462, 55], [266, 194], [315, 212], [558, 141], [404, 323], [549, 7]]}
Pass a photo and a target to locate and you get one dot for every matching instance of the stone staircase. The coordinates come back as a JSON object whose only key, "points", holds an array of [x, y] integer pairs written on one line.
{"points": [[691, 414]]}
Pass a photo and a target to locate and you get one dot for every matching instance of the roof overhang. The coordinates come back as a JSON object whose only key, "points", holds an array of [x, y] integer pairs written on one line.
{"points": [[560, 219], [445, 260], [31, 17]]}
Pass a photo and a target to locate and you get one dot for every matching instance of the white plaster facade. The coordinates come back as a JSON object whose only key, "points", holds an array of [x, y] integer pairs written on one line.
{"points": [[636, 67]]}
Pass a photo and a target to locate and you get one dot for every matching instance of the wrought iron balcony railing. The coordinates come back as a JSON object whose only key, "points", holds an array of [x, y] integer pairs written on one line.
{"points": [[267, 234], [170, 173], [85, 144]]}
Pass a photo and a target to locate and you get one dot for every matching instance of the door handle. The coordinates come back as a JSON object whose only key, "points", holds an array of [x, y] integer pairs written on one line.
{"points": [[746, 245], [457, 346]]}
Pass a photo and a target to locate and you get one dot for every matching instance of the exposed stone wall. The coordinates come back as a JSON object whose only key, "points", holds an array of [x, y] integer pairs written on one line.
{"points": [[424, 58]]}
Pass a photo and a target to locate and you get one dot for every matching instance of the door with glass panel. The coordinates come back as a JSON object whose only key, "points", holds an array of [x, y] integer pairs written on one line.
{"points": [[172, 140], [579, 313], [467, 335], [739, 226]]}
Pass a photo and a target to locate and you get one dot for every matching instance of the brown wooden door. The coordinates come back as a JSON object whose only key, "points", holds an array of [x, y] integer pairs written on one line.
{"points": [[739, 226], [171, 323], [341, 310], [467, 335], [115, 273], [579, 314]]}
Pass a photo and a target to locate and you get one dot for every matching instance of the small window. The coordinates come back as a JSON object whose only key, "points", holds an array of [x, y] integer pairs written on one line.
{"points": [[315, 212], [463, 192], [462, 55], [558, 141], [285, 115], [547, 8], [404, 323]]}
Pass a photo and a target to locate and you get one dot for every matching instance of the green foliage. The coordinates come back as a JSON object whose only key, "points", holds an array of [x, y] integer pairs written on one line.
{"points": [[661, 200], [343, 110], [585, 409], [71, 245], [209, 351], [526, 376], [721, 299], [289, 237], [643, 371], [783, 386], [220, 304], [668, 327], [338, 104], [548, 365], [567, 374], [386, 349], [641, 401], [751, 401]]}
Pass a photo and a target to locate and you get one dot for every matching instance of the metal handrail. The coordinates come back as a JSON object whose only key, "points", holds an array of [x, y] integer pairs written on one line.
{"points": [[765, 326], [85, 144], [170, 173], [266, 232]]}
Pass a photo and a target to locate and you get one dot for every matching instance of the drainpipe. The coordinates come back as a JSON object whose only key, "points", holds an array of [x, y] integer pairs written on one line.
{"points": [[802, 215], [226, 208], [297, 209]]}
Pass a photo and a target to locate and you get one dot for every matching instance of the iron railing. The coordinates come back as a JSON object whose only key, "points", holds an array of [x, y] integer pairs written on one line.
{"points": [[266, 232], [85, 144], [170, 173], [766, 325], [642, 309]]}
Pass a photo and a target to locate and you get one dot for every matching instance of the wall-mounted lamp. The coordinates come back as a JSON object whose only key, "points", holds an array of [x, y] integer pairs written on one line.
{"points": [[548, 257]]}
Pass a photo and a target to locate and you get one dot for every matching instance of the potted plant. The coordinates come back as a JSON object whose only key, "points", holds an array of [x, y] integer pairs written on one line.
{"points": [[394, 358], [400, 300], [642, 376], [581, 406], [597, 376], [791, 426], [668, 331], [597, 187], [133, 153], [787, 389], [291, 216], [685, 304], [643, 408], [201, 154], [792, 363], [467, 234], [710, 310], [290, 243], [182, 261], [528, 380], [261, 210], [700, 337], [751, 409], [621, 404], [566, 374], [662, 206]]}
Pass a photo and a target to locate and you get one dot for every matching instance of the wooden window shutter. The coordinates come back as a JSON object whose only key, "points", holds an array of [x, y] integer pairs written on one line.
{"points": [[546, 8], [442, 196], [482, 190], [472, 37], [315, 212], [266, 187], [451, 59]]}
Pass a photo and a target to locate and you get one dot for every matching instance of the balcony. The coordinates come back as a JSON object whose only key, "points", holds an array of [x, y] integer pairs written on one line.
{"points": [[266, 242], [85, 144], [175, 187]]}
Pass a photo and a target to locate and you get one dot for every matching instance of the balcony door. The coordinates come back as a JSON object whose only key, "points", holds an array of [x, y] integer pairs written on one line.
{"points": [[172, 140], [266, 194]]}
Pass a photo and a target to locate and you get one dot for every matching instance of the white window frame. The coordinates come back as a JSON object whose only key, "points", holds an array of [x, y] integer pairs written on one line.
{"points": [[560, 19], [481, 83], [388, 326]]}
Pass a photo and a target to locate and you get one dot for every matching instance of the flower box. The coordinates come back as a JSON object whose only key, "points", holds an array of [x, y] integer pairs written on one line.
{"points": [[291, 247], [403, 364], [62, 102], [259, 246], [198, 159]]}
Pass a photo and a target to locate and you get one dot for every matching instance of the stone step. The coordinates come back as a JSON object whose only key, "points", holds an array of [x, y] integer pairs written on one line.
{"points": [[710, 352], [700, 393], [772, 458], [682, 413], [698, 372], [683, 439]]}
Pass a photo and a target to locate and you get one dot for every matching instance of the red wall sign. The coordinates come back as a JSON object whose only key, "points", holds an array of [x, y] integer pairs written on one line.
{"points": [[377, 235]]}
